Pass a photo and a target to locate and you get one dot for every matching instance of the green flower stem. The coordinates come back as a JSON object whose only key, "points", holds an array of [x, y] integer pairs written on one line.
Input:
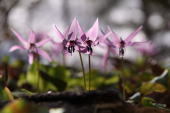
{"points": [[89, 72], [82, 65], [123, 81], [64, 60], [37, 74]]}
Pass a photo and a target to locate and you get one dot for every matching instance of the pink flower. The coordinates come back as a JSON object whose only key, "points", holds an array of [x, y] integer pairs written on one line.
{"points": [[147, 48], [121, 44], [91, 38], [31, 46], [108, 45], [69, 40]]}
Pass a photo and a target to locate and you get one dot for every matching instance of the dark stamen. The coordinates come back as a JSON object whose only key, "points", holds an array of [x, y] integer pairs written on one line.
{"points": [[71, 47], [33, 48], [121, 51], [89, 44], [89, 49], [122, 44]]}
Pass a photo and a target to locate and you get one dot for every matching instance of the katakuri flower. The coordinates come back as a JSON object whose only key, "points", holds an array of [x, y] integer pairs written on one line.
{"points": [[69, 40], [31, 46], [121, 44], [91, 38]]}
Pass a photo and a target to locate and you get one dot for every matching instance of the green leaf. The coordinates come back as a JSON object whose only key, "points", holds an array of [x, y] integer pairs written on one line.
{"points": [[148, 88], [3, 95], [149, 102], [146, 101], [60, 84]]}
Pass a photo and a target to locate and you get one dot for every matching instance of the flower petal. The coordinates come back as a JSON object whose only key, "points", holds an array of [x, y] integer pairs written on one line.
{"points": [[109, 43], [80, 30], [59, 34], [114, 36], [133, 34], [107, 35], [73, 30], [44, 54], [96, 42], [105, 58], [20, 38], [93, 31], [16, 47], [66, 32], [83, 38], [42, 42], [31, 37], [104, 37], [139, 44], [30, 58], [69, 37]]}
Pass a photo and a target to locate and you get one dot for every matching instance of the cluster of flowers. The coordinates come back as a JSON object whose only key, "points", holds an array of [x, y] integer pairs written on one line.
{"points": [[76, 39]]}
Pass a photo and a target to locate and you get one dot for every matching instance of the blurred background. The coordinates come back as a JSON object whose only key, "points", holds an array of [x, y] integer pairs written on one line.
{"points": [[140, 67], [123, 16]]}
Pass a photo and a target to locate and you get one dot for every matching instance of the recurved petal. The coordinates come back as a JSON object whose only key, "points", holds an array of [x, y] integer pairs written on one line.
{"points": [[107, 35], [93, 31], [80, 30], [20, 38], [114, 36], [139, 44], [108, 43], [133, 34], [44, 54], [59, 34], [69, 37], [73, 29], [96, 42], [104, 37], [42, 42], [31, 37], [66, 32], [16, 47]]}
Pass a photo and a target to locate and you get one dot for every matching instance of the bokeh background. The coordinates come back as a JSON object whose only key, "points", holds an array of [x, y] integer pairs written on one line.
{"points": [[123, 16], [144, 72]]}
